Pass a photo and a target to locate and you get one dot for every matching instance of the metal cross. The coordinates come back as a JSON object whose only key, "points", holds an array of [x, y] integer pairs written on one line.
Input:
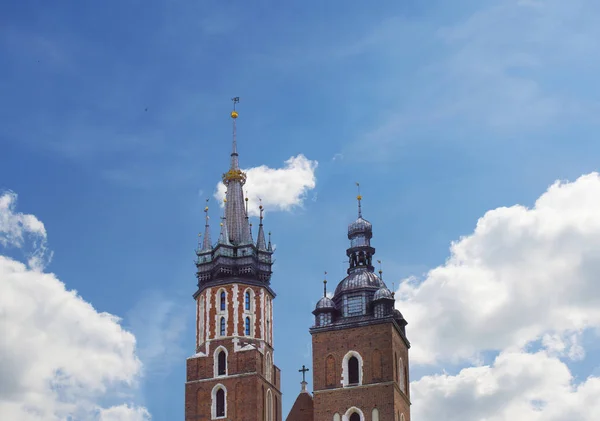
{"points": [[303, 371]]}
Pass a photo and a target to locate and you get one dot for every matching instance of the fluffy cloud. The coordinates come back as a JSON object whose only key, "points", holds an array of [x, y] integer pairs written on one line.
{"points": [[523, 284], [524, 273], [58, 355], [280, 189], [518, 386], [15, 226]]}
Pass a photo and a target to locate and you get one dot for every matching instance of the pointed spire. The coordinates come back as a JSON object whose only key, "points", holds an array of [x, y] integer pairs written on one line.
{"points": [[359, 198], [234, 179], [247, 237], [206, 244], [234, 154], [224, 236], [260, 241]]}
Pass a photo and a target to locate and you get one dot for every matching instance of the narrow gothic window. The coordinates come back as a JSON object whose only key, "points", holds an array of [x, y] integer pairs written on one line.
{"points": [[248, 300], [247, 326], [222, 330], [220, 403], [405, 381], [222, 363], [355, 417], [223, 301], [353, 371]]}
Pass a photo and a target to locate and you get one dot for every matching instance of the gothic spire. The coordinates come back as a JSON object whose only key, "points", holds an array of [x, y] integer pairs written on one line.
{"points": [[206, 244], [261, 244], [234, 179], [224, 236]]}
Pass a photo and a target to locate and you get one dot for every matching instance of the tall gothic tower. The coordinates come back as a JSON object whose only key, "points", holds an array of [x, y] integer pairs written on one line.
{"points": [[360, 349], [232, 375]]}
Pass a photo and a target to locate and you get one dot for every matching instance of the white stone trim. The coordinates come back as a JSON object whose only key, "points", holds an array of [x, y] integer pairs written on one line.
{"points": [[221, 313], [263, 313], [345, 373], [213, 406], [208, 307], [269, 405], [351, 411], [269, 367], [236, 316], [402, 417], [216, 362]]}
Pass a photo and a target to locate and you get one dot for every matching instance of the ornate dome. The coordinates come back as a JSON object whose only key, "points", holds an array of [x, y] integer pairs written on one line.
{"points": [[383, 293], [359, 279], [361, 225], [325, 303]]}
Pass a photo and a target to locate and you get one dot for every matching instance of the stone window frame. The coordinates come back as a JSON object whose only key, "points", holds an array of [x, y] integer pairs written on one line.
{"points": [[216, 361], [269, 404], [345, 370], [402, 380], [222, 326], [269, 367], [353, 410], [213, 406], [247, 326], [248, 300], [337, 417]]}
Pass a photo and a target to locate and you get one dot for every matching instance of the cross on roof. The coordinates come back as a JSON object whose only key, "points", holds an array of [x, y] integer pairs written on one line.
{"points": [[303, 371]]}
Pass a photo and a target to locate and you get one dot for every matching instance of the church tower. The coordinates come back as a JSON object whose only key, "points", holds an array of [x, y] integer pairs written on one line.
{"points": [[232, 375], [360, 349]]}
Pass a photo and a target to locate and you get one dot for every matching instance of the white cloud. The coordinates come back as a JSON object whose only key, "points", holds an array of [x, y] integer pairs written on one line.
{"points": [[14, 226], [280, 189], [522, 274], [58, 355], [518, 386], [124, 413], [158, 323]]}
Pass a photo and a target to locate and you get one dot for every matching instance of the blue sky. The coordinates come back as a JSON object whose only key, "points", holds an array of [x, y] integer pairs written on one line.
{"points": [[115, 129]]}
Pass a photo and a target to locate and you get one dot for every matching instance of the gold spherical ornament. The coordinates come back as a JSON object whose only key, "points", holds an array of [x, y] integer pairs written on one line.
{"points": [[246, 199], [234, 114], [359, 197], [224, 200], [206, 208], [221, 224]]}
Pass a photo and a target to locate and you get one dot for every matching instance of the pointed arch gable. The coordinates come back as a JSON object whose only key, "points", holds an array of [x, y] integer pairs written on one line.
{"points": [[220, 356], [353, 411], [352, 369]]}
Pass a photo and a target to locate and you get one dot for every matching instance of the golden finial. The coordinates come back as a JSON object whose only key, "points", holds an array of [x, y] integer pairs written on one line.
{"points": [[246, 199], [224, 200], [234, 113], [359, 198], [325, 285], [206, 209], [221, 224]]}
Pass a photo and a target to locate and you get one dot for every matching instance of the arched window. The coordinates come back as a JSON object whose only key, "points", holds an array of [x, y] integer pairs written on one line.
{"points": [[375, 414], [354, 417], [220, 403], [269, 405], [353, 367], [247, 305], [336, 417], [222, 364], [401, 417], [222, 301], [247, 326], [222, 327], [269, 367]]}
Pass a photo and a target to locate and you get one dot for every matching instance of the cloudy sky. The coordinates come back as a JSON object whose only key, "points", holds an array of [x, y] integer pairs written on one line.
{"points": [[470, 125]]}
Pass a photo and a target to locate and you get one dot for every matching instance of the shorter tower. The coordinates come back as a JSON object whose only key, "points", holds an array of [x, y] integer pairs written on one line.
{"points": [[360, 349]]}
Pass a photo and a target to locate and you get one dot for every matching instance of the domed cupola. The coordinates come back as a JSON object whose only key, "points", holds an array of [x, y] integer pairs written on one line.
{"points": [[383, 301], [325, 309]]}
